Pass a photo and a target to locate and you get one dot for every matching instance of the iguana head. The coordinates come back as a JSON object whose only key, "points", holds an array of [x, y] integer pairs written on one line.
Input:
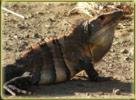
{"points": [[100, 32], [99, 27]]}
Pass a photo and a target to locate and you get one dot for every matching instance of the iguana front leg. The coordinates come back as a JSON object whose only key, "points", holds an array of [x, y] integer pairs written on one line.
{"points": [[91, 72], [19, 85]]}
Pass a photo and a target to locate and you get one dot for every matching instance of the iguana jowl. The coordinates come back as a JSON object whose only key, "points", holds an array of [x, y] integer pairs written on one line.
{"points": [[60, 59]]}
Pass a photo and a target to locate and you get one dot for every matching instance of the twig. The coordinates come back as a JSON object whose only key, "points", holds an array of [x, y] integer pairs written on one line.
{"points": [[19, 15], [11, 92]]}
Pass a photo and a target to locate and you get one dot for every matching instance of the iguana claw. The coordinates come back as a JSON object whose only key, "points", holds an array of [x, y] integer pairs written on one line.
{"points": [[18, 85]]}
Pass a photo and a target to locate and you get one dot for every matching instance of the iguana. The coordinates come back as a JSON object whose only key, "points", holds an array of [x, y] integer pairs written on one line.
{"points": [[60, 59]]}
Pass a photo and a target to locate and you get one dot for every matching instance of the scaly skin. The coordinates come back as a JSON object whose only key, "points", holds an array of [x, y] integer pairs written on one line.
{"points": [[60, 59]]}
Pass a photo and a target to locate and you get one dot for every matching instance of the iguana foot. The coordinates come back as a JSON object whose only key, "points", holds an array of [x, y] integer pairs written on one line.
{"points": [[92, 73], [19, 85]]}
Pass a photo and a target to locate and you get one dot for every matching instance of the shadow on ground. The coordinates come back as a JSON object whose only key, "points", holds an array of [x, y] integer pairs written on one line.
{"points": [[69, 88]]}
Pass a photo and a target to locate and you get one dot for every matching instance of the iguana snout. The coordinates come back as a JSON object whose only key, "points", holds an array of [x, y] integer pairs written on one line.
{"points": [[111, 18], [103, 23]]}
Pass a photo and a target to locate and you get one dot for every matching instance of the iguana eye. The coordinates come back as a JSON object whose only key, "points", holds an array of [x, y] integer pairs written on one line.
{"points": [[102, 17]]}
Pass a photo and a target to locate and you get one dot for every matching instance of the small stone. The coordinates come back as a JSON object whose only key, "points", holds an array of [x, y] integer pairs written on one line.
{"points": [[116, 91], [127, 58], [29, 93], [23, 26], [76, 93], [120, 26], [101, 93], [112, 50], [110, 65], [131, 52], [28, 16], [27, 36], [6, 14], [52, 18], [8, 48], [124, 51], [47, 26], [15, 36], [36, 35], [40, 13], [87, 94], [131, 30], [115, 42]]}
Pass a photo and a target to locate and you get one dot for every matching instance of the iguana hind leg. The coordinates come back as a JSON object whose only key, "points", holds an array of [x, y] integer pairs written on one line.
{"points": [[19, 85]]}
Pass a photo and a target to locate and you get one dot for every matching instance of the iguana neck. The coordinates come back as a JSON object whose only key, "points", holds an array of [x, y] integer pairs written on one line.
{"points": [[80, 35]]}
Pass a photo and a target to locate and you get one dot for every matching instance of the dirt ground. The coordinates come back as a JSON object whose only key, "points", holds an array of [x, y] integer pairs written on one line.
{"points": [[50, 19]]}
